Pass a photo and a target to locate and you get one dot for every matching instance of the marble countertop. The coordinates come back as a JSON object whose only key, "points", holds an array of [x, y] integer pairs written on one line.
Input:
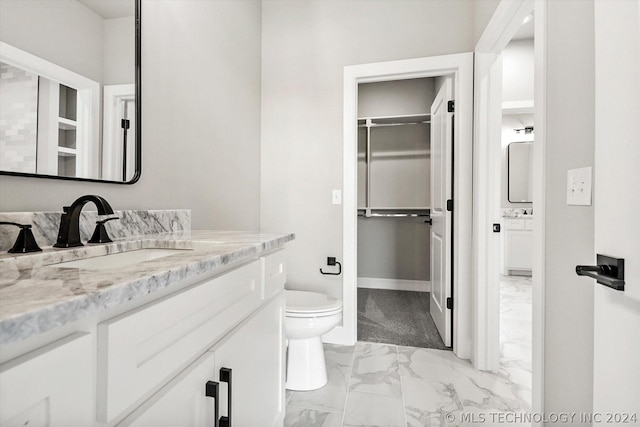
{"points": [[36, 297]]}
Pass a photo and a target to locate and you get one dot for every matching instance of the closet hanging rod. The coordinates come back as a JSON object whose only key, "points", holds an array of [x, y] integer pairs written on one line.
{"points": [[393, 215], [380, 125]]}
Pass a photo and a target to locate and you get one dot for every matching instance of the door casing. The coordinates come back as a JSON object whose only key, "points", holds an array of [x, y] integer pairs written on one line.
{"points": [[506, 20], [460, 67]]}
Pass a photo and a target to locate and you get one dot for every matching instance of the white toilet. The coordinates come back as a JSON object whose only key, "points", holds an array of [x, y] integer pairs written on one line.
{"points": [[309, 316]]}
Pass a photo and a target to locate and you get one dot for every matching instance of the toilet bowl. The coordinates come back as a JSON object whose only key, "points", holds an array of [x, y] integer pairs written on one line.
{"points": [[309, 315]]}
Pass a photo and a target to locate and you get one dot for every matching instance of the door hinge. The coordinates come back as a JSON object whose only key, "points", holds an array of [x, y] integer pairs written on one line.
{"points": [[451, 106], [450, 303], [450, 205]]}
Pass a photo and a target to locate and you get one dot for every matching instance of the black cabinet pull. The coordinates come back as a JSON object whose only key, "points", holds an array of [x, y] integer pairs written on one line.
{"points": [[212, 389], [225, 377]]}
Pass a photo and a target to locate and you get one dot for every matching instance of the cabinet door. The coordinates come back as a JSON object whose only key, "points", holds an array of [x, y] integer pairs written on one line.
{"points": [[182, 402], [51, 386], [144, 348], [255, 355], [519, 247]]}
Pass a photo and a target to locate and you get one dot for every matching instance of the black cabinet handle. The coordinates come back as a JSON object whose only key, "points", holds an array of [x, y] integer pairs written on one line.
{"points": [[225, 377], [212, 389]]}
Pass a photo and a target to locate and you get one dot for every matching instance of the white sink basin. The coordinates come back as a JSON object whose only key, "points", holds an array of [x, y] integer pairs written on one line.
{"points": [[121, 259]]}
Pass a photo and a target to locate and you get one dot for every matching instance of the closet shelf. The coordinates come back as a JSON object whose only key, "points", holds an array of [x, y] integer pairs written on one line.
{"points": [[412, 119]]}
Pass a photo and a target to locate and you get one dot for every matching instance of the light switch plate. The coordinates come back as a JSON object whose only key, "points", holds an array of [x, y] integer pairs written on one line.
{"points": [[579, 187], [336, 197]]}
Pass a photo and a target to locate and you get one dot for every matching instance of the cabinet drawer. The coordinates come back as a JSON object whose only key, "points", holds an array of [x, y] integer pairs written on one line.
{"points": [[514, 224], [139, 350], [528, 224], [51, 386], [275, 273]]}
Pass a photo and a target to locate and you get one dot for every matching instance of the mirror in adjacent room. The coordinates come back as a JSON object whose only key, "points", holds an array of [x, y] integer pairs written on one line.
{"points": [[69, 89], [520, 157]]}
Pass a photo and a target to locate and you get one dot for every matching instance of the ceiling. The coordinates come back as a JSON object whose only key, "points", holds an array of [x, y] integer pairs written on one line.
{"points": [[525, 31], [109, 9]]}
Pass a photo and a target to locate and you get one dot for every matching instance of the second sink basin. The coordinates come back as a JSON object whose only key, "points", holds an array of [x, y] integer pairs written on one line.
{"points": [[121, 259]]}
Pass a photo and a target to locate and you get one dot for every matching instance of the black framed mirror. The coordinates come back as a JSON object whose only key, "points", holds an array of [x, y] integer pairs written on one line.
{"points": [[70, 90], [520, 161]]}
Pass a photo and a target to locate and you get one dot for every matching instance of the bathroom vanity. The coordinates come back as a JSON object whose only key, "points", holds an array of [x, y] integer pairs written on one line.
{"points": [[517, 245], [127, 334]]}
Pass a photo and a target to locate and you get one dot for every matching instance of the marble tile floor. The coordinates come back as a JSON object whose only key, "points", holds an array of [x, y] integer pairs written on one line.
{"points": [[373, 384]]}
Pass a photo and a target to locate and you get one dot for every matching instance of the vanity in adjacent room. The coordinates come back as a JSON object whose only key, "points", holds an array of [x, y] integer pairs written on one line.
{"points": [[517, 223], [517, 245]]}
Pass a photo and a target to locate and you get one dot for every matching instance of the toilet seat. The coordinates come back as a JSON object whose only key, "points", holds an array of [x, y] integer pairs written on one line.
{"points": [[311, 304]]}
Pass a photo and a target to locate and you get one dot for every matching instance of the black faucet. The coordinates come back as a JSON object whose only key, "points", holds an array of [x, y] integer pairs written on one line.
{"points": [[69, 233]]}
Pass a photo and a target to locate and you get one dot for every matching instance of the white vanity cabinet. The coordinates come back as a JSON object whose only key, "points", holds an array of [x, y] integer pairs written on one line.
{"points": [[517, 245], [253, 354], [149, 365], [51, 386], [140, 349]]}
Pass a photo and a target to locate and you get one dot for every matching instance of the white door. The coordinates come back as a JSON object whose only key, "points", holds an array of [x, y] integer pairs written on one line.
{"points": [[441, 173], [616, 377]]}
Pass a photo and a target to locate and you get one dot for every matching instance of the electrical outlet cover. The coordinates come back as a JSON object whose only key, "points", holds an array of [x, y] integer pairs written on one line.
{"points": [[579, 187]]}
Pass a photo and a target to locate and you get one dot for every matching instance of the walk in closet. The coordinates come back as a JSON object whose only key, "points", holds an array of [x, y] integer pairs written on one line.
{"points": [[394, 160]]}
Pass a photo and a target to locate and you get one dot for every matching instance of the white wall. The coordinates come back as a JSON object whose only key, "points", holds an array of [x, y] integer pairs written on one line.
{"points": [[517, 85], [63, 32], [569, 233], [200, 121], [395, 98], [517, 71], [509, 123], [305, 47], [483, 11], [119, 52]]}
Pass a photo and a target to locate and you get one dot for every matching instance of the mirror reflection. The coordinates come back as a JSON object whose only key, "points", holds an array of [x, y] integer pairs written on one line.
{"points": [[520, 169], [67, 88]]}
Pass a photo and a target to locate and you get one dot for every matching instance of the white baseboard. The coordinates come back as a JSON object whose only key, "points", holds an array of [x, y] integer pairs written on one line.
{"points": [[394, 284]]}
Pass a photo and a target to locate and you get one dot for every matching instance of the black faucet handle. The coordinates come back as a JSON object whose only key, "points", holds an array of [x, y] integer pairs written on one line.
{"points": [[102, 221], [25, 242], [100, 233]]}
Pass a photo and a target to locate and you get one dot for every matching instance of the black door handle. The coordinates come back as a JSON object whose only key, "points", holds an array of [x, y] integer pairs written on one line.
{"points": [[608, 272], [225, 377], [212, 389]]}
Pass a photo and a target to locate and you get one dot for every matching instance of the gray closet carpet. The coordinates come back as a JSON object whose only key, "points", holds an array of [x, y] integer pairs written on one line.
{"points": [[397, 317]]}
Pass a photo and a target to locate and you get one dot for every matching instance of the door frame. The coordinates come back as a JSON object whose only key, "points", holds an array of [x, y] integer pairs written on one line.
{"points": [[488, 81], [460, 66]]}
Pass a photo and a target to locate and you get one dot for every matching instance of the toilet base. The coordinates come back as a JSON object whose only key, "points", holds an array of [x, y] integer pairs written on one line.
{"points": [[306, 368]]}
